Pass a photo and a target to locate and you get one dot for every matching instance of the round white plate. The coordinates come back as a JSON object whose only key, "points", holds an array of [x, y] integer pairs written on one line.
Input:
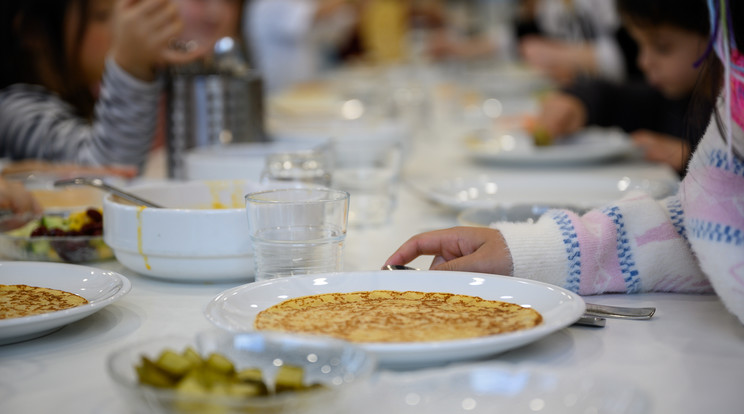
{"points": [[235, 309], [100, 287], [517, 148], [581, 190]]}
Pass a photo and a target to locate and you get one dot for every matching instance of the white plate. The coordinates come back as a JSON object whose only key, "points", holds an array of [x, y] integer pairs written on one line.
{"points": [[484, 217], [99, 287], [582, 190], [517, 148], [236, 309]]}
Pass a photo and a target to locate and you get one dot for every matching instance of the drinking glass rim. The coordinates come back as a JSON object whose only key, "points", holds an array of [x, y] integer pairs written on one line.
{"points": [[338, 195]]}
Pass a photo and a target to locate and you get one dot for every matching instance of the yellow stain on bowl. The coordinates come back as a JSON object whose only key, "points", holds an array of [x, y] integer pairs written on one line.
{"points": [[139, 236], [216, 188]]}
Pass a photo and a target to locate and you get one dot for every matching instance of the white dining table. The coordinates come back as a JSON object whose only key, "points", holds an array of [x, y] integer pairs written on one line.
{"points": [[688, 358]]}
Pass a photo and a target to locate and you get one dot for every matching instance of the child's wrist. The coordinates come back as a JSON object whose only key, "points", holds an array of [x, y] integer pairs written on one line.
{"points": [[135, 69]]}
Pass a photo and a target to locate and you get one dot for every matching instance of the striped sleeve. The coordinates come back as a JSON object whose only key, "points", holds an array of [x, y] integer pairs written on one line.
{"points": [[712, 195], [35, 123], [634, 245]]}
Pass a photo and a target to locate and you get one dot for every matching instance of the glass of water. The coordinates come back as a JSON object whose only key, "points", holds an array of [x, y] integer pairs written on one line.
{"points": [[368, 162], [305, 167], [297, 231]]}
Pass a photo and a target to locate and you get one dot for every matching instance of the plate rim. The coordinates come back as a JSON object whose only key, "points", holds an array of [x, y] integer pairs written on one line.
{"points": [[612, 144], [434, 189], [66, 316], [400, 352]]}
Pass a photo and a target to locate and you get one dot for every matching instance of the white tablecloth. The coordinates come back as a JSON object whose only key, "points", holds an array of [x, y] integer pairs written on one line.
{"points": [[689, 358]]}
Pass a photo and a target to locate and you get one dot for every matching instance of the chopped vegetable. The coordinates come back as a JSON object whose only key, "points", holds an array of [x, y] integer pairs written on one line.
{"points": [[189, 373]]}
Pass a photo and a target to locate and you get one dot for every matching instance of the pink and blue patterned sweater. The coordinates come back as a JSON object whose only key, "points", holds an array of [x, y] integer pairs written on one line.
{"points": [[692, 242]]}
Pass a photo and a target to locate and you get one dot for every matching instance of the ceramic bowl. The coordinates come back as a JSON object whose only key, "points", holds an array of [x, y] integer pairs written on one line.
{"points": [[201, 235], [239, 161]]}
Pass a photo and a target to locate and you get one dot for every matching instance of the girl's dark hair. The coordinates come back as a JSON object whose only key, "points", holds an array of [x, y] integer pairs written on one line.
{"points": [[32, 36], [685, 14], [712, 74]]}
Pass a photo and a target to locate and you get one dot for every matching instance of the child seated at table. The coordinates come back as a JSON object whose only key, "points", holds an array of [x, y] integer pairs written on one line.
{"points": [[692, 242], [671, 36], [78, 78]]}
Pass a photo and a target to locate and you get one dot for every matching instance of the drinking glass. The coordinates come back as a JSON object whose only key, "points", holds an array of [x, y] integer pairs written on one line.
{"points": [[367, 165], [307, 167], [297, 231]]}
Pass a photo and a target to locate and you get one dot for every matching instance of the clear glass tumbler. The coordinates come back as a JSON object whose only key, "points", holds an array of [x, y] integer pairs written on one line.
{"points": [[297, 231]]}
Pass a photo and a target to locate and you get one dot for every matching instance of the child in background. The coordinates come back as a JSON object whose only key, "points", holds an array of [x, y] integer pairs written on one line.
{"points": [[78, 78], [290, 39], [572, 39], [206, 21], [692, 242], [671, 36]]}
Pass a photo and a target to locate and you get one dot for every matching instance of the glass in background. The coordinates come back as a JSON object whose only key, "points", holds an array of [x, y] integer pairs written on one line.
{"points": [[368, 165], [307, 167]]}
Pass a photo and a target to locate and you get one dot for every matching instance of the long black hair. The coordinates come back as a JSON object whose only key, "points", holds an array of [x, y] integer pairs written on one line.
{"points": [[32, 37], [713, 71], [690, 15]]}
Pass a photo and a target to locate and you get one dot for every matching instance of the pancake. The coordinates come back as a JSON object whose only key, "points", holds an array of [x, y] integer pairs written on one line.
{"points": [[22, 300], [392, 316]]}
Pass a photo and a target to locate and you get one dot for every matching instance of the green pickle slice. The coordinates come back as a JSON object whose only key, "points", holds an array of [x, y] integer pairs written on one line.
{"points": [[189, 373]]}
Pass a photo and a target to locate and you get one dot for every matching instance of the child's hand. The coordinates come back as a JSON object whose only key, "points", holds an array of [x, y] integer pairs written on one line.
{"points": [[560, 61], [561, 114], [471, 249], [662, 148], [143, 32]]}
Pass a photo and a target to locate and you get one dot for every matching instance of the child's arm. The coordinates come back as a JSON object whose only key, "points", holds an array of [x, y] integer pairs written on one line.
{"points": [[637, 244], [34, 123]]}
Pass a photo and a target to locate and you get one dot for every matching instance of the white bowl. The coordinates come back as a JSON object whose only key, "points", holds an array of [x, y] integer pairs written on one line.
{"points": [[201, 235], [238, 161]]}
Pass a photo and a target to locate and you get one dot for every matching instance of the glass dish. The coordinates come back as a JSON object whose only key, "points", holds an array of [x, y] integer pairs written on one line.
{"points": [[70, 249], [337, 365]]}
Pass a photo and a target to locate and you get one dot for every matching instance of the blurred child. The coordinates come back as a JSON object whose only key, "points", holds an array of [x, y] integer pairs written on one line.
{"points": [[206, 21], [78, 78], [289, 38], [571, 39], [671, 36], [692, 242]]}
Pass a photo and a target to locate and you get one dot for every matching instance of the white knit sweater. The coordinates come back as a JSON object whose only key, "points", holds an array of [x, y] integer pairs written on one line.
{"points": [[692, 242]]}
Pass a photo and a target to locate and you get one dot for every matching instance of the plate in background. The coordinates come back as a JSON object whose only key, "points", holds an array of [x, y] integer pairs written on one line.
{"points": [[580, 190], [517, 148], [530, 213]]}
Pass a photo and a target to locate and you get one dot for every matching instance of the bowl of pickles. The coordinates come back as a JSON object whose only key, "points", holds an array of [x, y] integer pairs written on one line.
{"points": [[74, 236], [254, 372]]}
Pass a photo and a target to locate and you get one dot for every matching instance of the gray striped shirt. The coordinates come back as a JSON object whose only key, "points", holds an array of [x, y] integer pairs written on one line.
{"points": [[36, 123]]}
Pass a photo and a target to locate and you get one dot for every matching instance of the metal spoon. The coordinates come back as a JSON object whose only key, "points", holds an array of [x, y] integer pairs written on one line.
{"points": [[592, 309], [98, 183]]}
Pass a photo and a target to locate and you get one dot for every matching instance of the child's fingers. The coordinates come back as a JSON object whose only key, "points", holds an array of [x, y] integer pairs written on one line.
{"points": [[146, 8]]}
